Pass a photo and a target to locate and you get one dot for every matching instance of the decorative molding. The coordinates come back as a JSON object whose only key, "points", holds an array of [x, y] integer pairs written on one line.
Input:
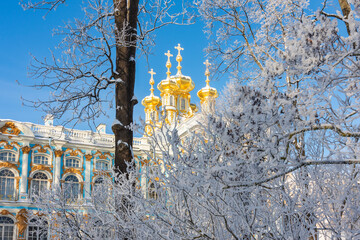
{"points": [[102, 155], [9, 165], [58, 153], [88, 157], [41, 148], [26, 149], [5, 212], [10, 128], [73, 170], [75, 152], [41, 167], [17, 180], [21, 221], [100, 173], [29, 183]]}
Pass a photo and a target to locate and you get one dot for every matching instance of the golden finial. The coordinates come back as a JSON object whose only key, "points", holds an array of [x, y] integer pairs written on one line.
{"points": [[152, 73], [168, 63], [207, 72], [178, 58]]}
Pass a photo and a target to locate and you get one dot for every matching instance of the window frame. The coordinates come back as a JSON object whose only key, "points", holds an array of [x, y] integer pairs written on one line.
{"points": [[79, 182], [15, 175], [7, 225], [72, 157], [10, 151], [102, 161], [38, 227], [41, 155], [31, 192]]}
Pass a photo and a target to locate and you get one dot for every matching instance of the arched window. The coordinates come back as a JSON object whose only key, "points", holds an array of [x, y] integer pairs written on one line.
{"points": [[37, 230], [71, 188], [7, 156], [152, 191], [72, 162], [102, 166], [6, 228], [7, 185], [182, 104], [171, 100], [39, 183], [41, 159]]}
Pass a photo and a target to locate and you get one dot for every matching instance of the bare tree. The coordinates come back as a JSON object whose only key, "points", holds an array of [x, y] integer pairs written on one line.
{"points": [[96, 57]]}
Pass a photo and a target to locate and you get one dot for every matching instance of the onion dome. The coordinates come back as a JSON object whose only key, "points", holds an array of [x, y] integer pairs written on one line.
{"points": [[184, 83], [151, 101], [207, 92]]}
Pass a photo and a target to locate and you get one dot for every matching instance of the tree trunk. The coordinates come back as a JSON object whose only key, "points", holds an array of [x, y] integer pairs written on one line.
{"points": [[126, 18]]}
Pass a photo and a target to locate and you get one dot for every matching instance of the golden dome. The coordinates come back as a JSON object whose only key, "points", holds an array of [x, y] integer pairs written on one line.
{"points": [[184, 83], [151, 101], [207, 91]]}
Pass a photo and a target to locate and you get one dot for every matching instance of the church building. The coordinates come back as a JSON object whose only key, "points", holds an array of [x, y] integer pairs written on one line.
{"points": [[36, 157]]}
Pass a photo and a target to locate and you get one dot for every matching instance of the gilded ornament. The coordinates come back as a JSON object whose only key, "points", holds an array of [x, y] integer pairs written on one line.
{"points": [[88, 157], [5, 212], [10, 128], [41, 167], [21, 218], [9, 165], [17, 181], [58, 153], [75, 152], [73, 170], [41, 148], [100, 173], [26, 149]]}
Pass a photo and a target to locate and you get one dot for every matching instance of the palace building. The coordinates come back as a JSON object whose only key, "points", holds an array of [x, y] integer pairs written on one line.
{"points": [[36, 157]]}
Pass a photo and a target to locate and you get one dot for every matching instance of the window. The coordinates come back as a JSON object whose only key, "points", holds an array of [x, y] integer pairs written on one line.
{"points": [[7, 185], [36, 231], [72, 162], [152, 191], [182, 104], [41, 159], [71, 188], [7, 156], [39, 183], [171, 100], [102, 166], [6, 228]]}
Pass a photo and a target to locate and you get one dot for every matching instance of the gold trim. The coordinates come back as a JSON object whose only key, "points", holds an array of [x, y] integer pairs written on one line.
{"points": [[73, 170], [5, 212], [75, 152], [58, 153], [9, 165], [88, 157], [21, 218], [13, 129], [102, 155], [41, 148], [26, 149], [99, 173], [41, 167], [17, 180]]}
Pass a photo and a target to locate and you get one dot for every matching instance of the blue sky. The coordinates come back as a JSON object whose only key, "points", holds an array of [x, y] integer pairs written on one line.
{"points": [[27, 32]]}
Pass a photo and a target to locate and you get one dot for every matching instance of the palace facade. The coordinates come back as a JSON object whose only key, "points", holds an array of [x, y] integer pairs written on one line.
{"points": [[36, 157]]}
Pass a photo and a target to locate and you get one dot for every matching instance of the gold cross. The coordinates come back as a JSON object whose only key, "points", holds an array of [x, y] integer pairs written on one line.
{"points": [[168, 63], [168, 54], [207, 72], [179, 48], [152, 73]]}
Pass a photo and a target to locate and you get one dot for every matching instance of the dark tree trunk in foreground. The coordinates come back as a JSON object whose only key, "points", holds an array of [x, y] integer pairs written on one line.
{"points": [[124, 90]]}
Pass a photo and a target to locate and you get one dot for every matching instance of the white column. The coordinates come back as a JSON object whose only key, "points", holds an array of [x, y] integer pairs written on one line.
{"points": [[24, 173], [57, 168], [87, 183]]}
